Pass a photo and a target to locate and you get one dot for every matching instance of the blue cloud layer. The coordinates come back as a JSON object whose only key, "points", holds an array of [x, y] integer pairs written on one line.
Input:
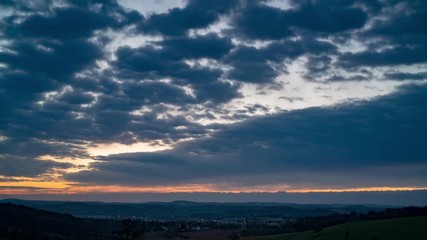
{"points": [[54, 98], [379, 142]]}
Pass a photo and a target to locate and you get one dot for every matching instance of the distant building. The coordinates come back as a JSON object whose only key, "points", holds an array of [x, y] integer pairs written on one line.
{"points": [[237, 221]]}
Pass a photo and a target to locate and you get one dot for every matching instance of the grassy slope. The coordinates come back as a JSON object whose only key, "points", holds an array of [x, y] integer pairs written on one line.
{"points": [[414, 228]]}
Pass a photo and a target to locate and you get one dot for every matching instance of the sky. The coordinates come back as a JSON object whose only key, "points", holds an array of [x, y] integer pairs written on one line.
{"points": [[133, 100]]}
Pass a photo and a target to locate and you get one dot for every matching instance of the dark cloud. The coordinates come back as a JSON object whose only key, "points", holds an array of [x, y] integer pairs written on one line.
{"points": [[96, 82], [216, 92], [52, 45], [27, 6], [31, 148], [156, 92], [76, 97], [390, 57], [7, 3], [58, 61], [209, 46], [110, 8], [23, 85], [405, 24], [168, 59], [69, 23], [16, 166], [168, 62], [259, 21], [396, 38], [263, 65], [44, 52], [252, 65], [406, 76], [195, 15], [317, 66], [78, 21], [318, 146], [327, 16]]}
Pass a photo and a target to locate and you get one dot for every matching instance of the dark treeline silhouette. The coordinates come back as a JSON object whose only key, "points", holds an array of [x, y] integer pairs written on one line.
{"points": [[317, 223], [21, 222]]}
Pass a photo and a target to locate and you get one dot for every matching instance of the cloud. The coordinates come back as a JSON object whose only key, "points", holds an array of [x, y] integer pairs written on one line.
{"points": [[404, 26], [63, 24], [28, 146], [150, 62], [380, 140], [76, 97], [26, 5], [68, 80], [259, 21], [406, 76], [391, 57], [208, 46], [26, 167], [330, 17], [397, 38], [79, 20], [57, 61], [168, 60], [262, 65], [195, 15]]}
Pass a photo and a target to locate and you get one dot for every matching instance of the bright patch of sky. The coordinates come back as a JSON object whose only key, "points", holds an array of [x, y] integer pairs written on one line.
{"points": [[281, 4], [147, 7], [117, 148]]}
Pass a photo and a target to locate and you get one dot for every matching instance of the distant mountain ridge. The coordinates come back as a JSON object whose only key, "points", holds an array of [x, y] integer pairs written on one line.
{"points": [[187, 209]]}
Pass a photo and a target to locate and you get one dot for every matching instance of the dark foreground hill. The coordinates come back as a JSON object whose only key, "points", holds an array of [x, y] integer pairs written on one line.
{"points": [[21, 222], [413, 228]]}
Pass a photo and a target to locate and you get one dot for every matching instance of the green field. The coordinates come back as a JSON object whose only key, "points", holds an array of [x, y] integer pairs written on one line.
{"points": [[414, 228]]}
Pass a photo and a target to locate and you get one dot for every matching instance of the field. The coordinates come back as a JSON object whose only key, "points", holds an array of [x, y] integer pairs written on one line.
{"points": [[198, 235], [414, 228]]}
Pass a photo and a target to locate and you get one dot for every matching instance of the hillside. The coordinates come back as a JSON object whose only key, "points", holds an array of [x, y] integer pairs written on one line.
{"points": [[21, 222], [184, 210], [413, 228]]}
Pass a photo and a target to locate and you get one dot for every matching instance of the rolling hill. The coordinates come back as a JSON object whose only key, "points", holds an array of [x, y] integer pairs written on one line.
{"points": [[184, 209], [413, 228]]}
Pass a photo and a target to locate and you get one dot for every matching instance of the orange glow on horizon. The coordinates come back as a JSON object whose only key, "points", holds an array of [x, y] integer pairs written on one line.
{"points": [[361, 189], [28, 186]]}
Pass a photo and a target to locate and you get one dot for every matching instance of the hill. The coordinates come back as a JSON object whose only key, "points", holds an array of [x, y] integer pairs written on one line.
{"points": [[21, 222], [192, 210], [413, 228]]}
